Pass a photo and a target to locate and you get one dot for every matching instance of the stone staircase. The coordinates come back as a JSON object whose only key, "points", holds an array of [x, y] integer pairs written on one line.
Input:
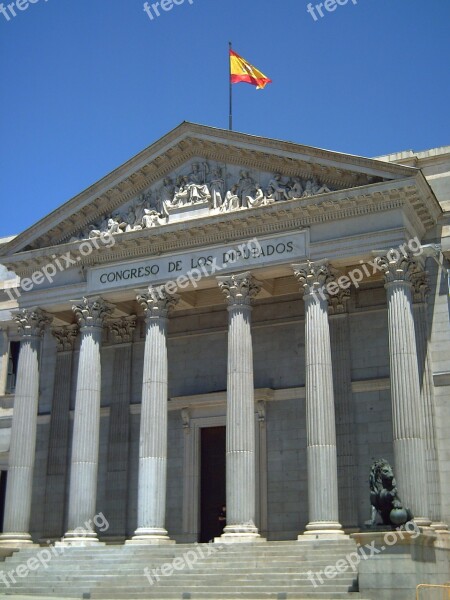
{"points": [[272, 570]]}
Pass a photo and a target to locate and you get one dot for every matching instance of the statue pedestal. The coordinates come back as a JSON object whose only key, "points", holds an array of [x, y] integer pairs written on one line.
{"points": [[188, 211]]}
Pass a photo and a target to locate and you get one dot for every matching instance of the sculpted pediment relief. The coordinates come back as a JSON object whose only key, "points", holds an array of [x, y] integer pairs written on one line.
{"points": [[197, 171], [201, 188]]}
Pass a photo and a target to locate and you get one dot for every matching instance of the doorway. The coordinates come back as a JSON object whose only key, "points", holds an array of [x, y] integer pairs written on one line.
{"points": [[212, 481]]}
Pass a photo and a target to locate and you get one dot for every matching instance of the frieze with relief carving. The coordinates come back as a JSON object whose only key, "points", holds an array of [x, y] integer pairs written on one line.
{"points": [[205, 187]]}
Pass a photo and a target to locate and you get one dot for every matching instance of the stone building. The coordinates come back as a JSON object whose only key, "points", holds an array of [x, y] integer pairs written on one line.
{"points": [[228, 319]]}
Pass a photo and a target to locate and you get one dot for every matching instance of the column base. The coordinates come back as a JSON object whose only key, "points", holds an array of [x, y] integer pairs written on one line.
{"points": [[240, 534], [439, 527], [239, 538], [422, 521], [323, 530], [150, 536], [80, 539], [16, 540]]}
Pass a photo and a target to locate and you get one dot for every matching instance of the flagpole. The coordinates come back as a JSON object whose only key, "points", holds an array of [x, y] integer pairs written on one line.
{"points": [[231, 90]]}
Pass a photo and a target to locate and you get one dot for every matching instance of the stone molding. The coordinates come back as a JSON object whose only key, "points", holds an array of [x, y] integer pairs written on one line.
{"points": [[281, 216], [182, 144]]}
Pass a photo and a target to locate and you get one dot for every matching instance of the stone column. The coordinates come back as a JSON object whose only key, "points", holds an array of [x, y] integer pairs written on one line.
{"points": [[58, 449], [153, 432], [407, 412], [320, 415], [90, 314], [240, 442], [420, 296], [16, 523], [121, 334], [4, 360], [343, 400]]}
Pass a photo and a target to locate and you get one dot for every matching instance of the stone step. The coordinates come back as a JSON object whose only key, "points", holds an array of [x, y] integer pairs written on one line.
{"points": [[177, 591], [163, 595], [245, 571]]}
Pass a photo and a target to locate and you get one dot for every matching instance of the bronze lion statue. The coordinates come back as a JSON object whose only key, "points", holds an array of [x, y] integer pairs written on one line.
{"points": [[384, 497]]}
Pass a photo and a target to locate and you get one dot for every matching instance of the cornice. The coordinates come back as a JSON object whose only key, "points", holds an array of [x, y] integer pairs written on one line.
{"points": [[281, 217]]}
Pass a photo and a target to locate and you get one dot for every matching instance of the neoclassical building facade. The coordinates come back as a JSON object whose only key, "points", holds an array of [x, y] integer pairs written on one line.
{"points": [[228, 320]]}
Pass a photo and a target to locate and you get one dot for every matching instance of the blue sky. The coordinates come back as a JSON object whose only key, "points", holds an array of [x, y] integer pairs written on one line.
{"points": [[86, 84]]}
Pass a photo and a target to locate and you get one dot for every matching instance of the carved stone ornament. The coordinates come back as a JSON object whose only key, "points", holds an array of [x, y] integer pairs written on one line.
{"points": [[314, 277], [201, 185], [122, 329], [397, 267], [65, 337], [186, 418], [421, 288], [261, 408], [91, 312], [32, 322], [239, 290], [337, 304], [157, 303]]}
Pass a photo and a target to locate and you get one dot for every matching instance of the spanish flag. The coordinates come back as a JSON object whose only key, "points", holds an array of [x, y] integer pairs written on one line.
{"points": [[242, 71]]}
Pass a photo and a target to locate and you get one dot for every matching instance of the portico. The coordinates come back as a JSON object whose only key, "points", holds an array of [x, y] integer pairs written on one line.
{"points": [[246, 319]]}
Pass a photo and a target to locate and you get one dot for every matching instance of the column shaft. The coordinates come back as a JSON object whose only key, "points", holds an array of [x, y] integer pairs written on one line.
{"points": [[240, 438], [86, 427], [320, 413], [345, 427], [55, 493], [4, 360], [23, 432], [427, 402], [153, 432], [407, 412], [116, 483]]}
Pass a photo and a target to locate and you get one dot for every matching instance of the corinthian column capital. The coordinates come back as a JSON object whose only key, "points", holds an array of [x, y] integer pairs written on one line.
{"points": [[122, 329], [396, 267], [91, 312], [421, 288], [157, 304], [65, 337], [32, 322], [313, 276], [240, 289]]}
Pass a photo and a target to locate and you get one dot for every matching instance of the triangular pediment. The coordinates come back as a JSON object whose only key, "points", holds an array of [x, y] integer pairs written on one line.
{"points": [[195, 172]]}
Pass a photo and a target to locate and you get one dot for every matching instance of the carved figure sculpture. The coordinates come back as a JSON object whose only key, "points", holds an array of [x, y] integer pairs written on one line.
{"points": [[246, 186], [99, 228], [196, 184], [295, 189], [150, 218], [308, 190], [217, 188], [277, 189], [166, 192], [232, 201], [384, 497], [130, 221], [324, 189], [258, 199]]}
